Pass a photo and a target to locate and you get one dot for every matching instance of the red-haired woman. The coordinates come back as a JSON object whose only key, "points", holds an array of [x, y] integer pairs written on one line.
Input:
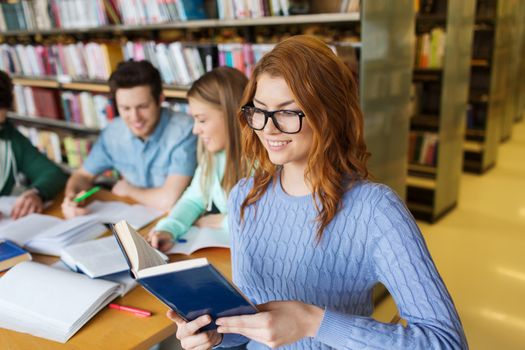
{"points": [[311, 235]]}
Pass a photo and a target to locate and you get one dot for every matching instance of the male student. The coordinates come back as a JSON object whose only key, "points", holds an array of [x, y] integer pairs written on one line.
{"points": [[152, 147], [24, 171]]}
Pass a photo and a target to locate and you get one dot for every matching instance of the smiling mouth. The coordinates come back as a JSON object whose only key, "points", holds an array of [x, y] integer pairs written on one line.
{"points": [[277, 145]]}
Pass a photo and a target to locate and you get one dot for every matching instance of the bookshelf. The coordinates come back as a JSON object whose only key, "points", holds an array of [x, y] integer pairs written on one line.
{"points": [[440, 91], [520, 90], [521, 53], [493, 84], [384, 48], [177, 92], [513, 19], [322, 18], [52, 123]]}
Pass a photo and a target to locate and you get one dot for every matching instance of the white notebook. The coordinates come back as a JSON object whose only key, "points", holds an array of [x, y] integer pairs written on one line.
{"points": [[97, 258], [48, 234], [137, 215], [123, 278], [199, 238], [50, 303]]}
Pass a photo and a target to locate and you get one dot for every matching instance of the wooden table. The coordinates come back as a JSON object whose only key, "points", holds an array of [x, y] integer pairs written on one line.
{"points": [[113, 329]]}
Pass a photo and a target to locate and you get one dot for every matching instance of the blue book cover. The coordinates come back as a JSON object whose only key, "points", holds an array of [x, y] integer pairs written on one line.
{"points": [[11, 254], [198, 291], [192, 9], [191, 288]]}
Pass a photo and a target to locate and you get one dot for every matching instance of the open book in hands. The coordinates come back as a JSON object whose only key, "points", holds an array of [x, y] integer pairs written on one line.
{"points": [[191, 288]]}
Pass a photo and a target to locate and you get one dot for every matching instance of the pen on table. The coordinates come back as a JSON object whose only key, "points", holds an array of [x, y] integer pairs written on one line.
{"points": [[79, 198], [135, 311]]}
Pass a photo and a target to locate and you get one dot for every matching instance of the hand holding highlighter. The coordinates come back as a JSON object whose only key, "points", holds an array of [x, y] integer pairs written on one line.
{"points": [[84, 195]]}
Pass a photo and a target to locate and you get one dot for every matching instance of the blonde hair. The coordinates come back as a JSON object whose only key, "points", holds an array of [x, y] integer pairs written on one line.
{"points": [[222, 88]]}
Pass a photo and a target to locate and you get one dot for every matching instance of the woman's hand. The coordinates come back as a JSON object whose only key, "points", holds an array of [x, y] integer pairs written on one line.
{"points": [[211, 220], [27, 203], [188, 336], [276, 324], [160, 240]]}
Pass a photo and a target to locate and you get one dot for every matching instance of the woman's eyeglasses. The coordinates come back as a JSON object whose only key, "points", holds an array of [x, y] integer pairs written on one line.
{"points": [[288, 122]]}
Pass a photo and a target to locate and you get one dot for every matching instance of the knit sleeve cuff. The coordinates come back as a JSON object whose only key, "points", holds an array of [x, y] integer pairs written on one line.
{"points": [[333, 326]]}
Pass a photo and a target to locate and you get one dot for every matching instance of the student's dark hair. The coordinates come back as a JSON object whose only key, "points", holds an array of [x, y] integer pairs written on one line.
{"points": [[6, 91], [130, 74]]}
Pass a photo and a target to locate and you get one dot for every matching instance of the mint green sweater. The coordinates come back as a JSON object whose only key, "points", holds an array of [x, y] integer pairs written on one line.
{"points": [[193, 202]]}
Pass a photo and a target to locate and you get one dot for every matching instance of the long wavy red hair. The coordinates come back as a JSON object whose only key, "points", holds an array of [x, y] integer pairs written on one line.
{"points": [[325, 89]]}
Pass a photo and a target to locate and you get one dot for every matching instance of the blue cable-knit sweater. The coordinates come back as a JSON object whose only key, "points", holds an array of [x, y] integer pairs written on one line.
{"points": [[372, 239]]}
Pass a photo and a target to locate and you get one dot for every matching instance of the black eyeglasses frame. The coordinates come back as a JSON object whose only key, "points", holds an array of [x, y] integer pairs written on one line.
{"points": [[270, 115]]}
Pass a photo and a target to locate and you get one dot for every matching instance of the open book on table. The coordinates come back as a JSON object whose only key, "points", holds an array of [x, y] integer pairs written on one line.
{"points": [[191, 288], [50, 303], [137, 215], [48, 234], [97, 258], [198, 238]]}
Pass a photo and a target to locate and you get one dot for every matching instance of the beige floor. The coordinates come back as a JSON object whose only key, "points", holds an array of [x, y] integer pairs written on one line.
{"points": [[479, 249]]}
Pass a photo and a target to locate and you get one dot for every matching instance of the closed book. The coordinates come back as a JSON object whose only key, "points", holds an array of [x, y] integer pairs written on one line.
{"points": [[11, 254], [47, 103], [191, 288]]}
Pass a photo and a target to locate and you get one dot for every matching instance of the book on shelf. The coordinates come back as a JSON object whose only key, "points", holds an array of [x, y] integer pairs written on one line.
{"points": [[77, 150], [67, 14], [11, 254], [49, 302], [242, 9], [51, 144], [37, 102], [423, 148], [430, 48], [47, 142], [191, 288], [85, 108], [91, 60], [476, 116]]}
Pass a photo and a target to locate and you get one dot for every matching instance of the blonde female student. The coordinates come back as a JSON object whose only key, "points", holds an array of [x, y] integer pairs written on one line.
{"points": [[311, 235], [214, 101]]}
